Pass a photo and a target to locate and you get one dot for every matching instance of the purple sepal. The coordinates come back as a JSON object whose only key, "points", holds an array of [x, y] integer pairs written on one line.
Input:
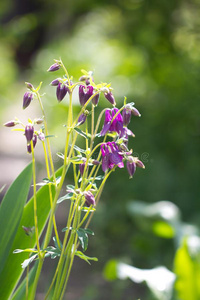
{"points": [[111, 156], [126, 114], [41, 136], [131, 167], [28, 96], [61, 91], [109, 96], [95, 100], [29, 131], [135, 112], [55, 82], [54, 67]]}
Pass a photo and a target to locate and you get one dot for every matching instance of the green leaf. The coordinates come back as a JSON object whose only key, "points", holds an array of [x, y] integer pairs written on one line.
{"points": [[81, 133], [12, 270], [85, 257], [11, 211], [66, 197], [110, 270], [83, 238], [187, 270]]}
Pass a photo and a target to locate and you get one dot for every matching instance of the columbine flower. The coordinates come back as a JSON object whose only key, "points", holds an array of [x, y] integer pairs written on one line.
{"points": [[127, 112], [111, 156], [54, 67], [95, 99], [85, 93], [89, 197], [113, 123], [109, 96], [28, 96], [29, 131], [132, 163], [61, 91]]}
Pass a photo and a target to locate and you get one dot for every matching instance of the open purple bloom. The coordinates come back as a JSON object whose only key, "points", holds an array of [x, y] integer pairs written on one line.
{"points": [[85, 93], [113, 123], [111, 156]]}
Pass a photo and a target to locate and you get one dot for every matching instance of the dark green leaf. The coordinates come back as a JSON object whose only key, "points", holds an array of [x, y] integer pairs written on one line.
{"points": [[83, 238], [81, 133], [66, 197]]}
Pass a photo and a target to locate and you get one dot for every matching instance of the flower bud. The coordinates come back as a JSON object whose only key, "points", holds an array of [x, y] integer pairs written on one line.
{"points": [[11, 123], [109, 96], [29, 131], [95, 99], [41, 136], [135, 112], [140, 164], [55, 82], [38, 121], [61, 91], [82, 119], [54, 67], [28, 96], [89, 197], [29, 86], [131, 166], [95, 162]]}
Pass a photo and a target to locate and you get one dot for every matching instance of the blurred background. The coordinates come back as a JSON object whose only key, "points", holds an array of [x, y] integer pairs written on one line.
{"points": [[149, 51]]}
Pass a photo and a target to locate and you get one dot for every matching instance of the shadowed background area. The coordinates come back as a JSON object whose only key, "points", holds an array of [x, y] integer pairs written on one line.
{"points": [[149, 51]]}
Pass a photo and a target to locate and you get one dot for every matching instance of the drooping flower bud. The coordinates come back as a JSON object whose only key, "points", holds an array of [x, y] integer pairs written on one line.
{"points": [[85, 93], [109, 96], [29, 86], [140, 164], [95, 162], [38, 121], [54, 67], [29, 131], [11, 123], [55, 82], [89, 197], [135, 112], [61, 91], [28, 96], [82, 119], [95, 99], [41, 136], [34, 140], [131, 166]]}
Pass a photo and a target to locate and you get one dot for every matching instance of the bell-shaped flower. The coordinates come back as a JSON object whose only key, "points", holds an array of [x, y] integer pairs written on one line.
{"points": [[113, 122], [111, 156], [85, 93], [132, 163], [28, 97], [89, 198], [61, 91], [29, 131], [109, 96]]}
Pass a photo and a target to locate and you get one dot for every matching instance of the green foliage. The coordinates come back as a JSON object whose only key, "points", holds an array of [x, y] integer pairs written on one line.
{"points": [[187, 269], [11, 211]]}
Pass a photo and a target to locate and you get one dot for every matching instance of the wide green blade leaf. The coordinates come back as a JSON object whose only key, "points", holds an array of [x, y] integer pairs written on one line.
{"points": [[13, 270], [11, 211]]}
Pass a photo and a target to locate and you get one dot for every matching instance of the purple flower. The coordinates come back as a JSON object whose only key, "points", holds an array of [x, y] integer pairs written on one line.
{"points": [[126, 114], [29, 131], [85, 93], [28, 96], [111, 156], [54, 67], [131, 164], [109, 96], [89, 197], [113, 123], [82, 167], [61, 91]]}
